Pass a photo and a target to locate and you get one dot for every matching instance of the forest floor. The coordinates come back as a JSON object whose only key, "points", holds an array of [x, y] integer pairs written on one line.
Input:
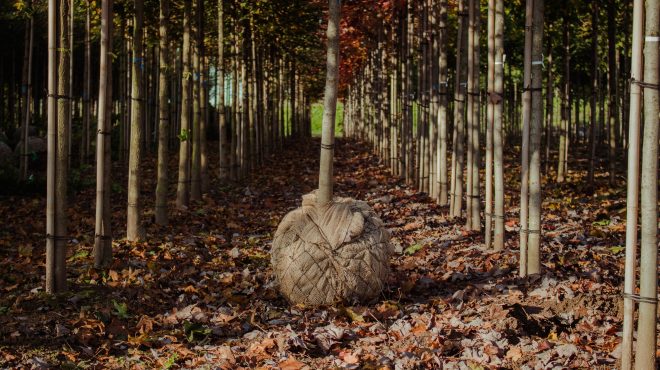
{"points": [[200, 293]]}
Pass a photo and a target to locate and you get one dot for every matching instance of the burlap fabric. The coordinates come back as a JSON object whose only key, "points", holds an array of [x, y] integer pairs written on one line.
{"points": [[335, 253]]}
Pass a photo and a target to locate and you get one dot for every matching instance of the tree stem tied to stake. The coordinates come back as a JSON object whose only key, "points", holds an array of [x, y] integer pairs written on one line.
{"points": [[329, 106]]}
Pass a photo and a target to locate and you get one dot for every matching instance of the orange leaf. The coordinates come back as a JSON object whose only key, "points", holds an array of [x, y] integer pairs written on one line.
{"points": [[291, 364]]}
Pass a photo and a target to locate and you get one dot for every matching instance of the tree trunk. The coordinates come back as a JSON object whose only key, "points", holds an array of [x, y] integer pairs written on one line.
{"points": [[196, 169], [549, 106], [69, 92], [329, 106], [534, 225], [202, 85], [613, 111], [526, 115], [27, 93], [648, 278], [632, 194], [160, 211], [593, 140], [235, 120], [55, 268], [488, 212], [460, 92], [442, 105], [475, 197], [222, 123], [498, 144], [87, 88], [103, 234], [134, 230], [62, 150], [565, 104], [183, 188]]}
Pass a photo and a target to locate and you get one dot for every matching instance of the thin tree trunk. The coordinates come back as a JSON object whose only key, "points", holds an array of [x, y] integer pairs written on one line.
{"points": [[442, 108], [613, 111], [490, 121], [27, 85], [632, 194], [183, 188], [203, 98], [526, 115], [593, 140], [103, 234], [160, 211], [134, 230], [222, 123], [87, 88], [196, 169], [329, 106], [645, 358], [498, 144], [55, 270], [62, 150], [474, 199], [69, 93], [534, 225], [549, 113], [565, 104], [460, 92], [235, 121]]}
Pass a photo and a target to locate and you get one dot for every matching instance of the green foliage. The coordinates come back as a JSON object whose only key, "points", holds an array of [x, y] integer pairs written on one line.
{"points": [[170, 361], [121, 309], [603, 222], [617, 249], [413, 249], [317, 119], [195, 331], [184, 135]]}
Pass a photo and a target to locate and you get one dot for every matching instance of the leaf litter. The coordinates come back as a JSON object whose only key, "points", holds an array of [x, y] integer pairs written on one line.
{"points": [[200, 293]]}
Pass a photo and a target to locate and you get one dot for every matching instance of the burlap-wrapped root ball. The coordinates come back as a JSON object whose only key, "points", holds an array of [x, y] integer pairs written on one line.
{"points": [[334, 253]]}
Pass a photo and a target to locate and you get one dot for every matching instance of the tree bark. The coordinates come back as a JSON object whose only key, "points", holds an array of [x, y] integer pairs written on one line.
{"points": [[103, 232], [593, 140], [632, 194], [498, 144], [442, 107], [183, 188], [55, 270], [474, 200], [645, 358], [27, 94], [613, 98], [329, 105], [160, 211], [490, 121], [526, 115], [565, 104], [134, 230], [87, 88], [196, 169], [222, 123], [460, 92], [534, 225]]}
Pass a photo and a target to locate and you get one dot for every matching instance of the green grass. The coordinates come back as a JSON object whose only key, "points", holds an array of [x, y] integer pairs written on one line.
{"points": [[317, 119]]}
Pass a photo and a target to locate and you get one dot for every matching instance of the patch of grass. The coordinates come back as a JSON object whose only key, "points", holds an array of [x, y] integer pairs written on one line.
{"points": [[317, 119]]}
